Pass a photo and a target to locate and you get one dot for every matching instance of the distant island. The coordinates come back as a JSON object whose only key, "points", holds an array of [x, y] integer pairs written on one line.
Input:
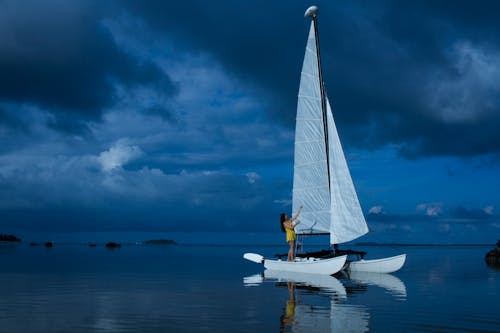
{"points": [[9, 238], [159, 242], [414, 244], [109, 245]]}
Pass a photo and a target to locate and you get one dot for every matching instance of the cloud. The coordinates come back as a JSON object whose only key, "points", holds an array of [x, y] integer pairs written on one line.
{"points": [[252, 177], [469, 93], [471, 214], [489, 210], [119, 154], [61, 58], [430, 209], [419, 78], [420, 85], [209, 123], [75, 193], [376, 210]]}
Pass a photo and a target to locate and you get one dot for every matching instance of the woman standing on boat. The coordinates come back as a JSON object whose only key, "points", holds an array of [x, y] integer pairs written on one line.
{"points": [[287, 225]]}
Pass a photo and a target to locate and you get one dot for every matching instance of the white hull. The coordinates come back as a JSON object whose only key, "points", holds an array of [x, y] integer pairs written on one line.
{"points": [[384, 265], [312, 265]]}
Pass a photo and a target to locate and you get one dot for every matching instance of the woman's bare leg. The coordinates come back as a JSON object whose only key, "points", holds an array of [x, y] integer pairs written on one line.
{"points": [[291, 251]]}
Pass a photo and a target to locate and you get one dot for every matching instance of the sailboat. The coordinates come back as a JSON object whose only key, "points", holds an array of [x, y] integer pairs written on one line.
{"points": [[322, 183]]}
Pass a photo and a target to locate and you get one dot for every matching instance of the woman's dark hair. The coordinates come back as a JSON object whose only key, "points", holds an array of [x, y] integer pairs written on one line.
{"points": [[282, 219]]}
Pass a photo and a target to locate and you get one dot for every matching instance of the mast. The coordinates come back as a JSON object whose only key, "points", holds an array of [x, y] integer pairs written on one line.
{"points": [[312, 12]]}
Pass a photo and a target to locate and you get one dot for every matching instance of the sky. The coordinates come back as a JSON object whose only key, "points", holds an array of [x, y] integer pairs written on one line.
{"points": [[179, 116]]}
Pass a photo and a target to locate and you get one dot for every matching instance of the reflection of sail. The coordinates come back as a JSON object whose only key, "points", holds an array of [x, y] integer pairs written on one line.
{"points": [[339, 318], [387, 281], [325, 283], [349, 319]]}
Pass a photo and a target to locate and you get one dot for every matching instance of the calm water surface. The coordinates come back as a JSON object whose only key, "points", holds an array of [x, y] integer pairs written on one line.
{"points": [[201, 288]]}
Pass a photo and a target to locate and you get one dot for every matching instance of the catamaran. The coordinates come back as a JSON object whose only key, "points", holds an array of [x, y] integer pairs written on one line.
{"points": [[322, 183]]}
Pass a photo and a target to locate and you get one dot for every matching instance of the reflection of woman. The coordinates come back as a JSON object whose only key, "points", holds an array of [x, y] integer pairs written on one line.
{"points": [[288, 226], [287, 320]]}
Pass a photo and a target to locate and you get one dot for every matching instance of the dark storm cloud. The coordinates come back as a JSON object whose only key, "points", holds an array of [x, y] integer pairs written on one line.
{"points": [[434, 91], [259, 42], [60, 57], [407, 74]]}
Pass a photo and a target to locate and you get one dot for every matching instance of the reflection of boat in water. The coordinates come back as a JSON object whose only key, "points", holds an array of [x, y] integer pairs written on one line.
{"points": [[303, 313], [330, 284], [325, 283], [308, 310], [386, 281]]}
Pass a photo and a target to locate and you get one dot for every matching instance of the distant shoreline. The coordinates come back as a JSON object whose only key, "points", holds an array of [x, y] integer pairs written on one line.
{"points": [[197, 241], [418, 244]]}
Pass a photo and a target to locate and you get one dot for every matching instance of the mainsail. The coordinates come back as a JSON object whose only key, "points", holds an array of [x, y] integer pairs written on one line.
{"points": [[322, 183]]}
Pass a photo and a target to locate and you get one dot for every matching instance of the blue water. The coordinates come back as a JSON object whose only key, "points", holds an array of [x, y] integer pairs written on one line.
{"points": [[210, 288]]}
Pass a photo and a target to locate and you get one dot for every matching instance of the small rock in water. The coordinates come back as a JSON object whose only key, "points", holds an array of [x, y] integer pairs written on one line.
{"points": [[112, 245], [493, 256]]}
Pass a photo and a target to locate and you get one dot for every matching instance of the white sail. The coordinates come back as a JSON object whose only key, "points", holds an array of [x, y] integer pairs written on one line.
{"points": [[310, 178], [347, 219], [329, 205]]}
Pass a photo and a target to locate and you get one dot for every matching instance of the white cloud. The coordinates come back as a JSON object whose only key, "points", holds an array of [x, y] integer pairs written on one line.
{"points": [[488, 210], [118, 155], [376, 210], [430, 209], [252, 177]]}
